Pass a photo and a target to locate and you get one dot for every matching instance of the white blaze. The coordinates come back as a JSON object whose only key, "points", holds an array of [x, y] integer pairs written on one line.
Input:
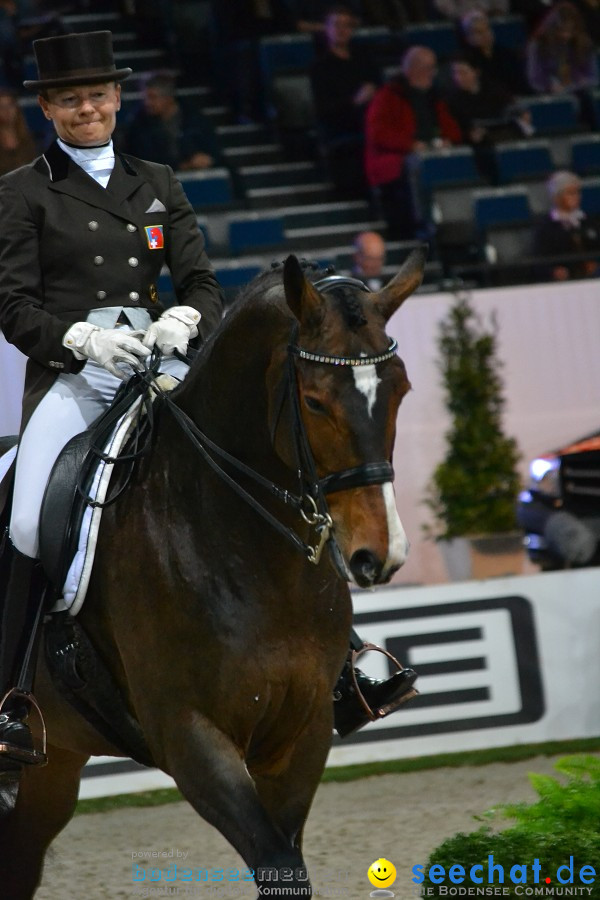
{"points": [[367, 382], [397, 541]]}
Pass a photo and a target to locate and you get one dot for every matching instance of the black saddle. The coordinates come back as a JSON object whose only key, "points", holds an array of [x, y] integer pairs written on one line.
{"points": [[65, 497], [62, 508]]}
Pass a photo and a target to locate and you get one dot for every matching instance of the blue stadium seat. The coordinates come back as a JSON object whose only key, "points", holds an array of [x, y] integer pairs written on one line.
{"points": [[585, 154], [590, 196], [438, 36], [254, 231], [554, 114], [211, 188], [496, 207], [284, 53], [520, 160], [509, 31], [234, 274], [451, 166], [504, 219]]}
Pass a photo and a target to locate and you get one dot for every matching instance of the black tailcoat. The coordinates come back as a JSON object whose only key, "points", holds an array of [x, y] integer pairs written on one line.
{"points": [[68, 245]]}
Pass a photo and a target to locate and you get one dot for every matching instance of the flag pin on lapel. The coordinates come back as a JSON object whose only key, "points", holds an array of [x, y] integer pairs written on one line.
{"points": [[155, 237]]}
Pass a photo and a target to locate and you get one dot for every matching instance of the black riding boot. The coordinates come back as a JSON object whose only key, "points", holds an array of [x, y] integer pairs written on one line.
{"points": [[359, 699], [21, 586]]}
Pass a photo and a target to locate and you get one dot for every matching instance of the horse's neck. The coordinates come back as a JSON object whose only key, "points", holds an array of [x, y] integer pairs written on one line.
{"points": [[225, 393]]}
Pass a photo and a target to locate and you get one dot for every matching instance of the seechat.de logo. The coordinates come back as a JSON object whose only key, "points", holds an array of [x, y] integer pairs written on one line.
{"points": [[525, 879]]}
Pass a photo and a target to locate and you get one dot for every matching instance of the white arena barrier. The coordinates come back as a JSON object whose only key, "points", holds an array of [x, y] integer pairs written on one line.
{"points": [[501, 662]]}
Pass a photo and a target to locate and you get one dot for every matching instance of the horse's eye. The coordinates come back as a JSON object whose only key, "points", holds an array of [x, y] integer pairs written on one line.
{"points": [[314, 405]]}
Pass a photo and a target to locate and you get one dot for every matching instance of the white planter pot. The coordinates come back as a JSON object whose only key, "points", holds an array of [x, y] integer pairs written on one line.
{"points": [[483, 556]]}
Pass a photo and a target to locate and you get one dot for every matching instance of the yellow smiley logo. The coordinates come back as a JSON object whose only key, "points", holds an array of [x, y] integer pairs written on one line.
{"points": [[382, 873]]}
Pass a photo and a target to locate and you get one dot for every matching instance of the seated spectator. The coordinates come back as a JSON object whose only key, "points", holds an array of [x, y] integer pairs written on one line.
{"points": [[369, 259], [456, 9], [17, 145], [565, 230], [484, 113], [406, 117], [343, 80], [163, 131], [500, 68], [561, 56]]}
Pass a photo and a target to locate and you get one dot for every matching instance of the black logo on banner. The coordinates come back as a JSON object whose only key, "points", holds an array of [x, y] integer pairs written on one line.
{"points": [[477, 662]]}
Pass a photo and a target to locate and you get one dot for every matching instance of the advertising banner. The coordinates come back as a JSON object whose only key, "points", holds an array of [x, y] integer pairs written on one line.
{"points": [[501, 662]]}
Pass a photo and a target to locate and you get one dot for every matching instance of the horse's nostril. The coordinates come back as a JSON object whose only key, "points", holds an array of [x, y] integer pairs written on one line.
{"points": [[365, 567]]}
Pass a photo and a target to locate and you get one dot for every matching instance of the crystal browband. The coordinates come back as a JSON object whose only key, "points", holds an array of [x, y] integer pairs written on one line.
{"points": [[346, 360]]}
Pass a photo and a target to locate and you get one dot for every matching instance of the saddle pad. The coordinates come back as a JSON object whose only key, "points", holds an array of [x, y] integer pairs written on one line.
{"points": [[80, 570]]}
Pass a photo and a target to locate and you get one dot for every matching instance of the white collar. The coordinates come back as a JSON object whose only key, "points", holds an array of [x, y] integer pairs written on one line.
{"points": [[570, 220], [82, 155]]}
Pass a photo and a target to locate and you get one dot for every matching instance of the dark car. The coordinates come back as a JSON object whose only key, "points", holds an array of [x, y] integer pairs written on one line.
{"points": [[560, 509]]}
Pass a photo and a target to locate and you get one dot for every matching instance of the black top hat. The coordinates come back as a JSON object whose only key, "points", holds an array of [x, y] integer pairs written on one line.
{"points": [[70, 59]]}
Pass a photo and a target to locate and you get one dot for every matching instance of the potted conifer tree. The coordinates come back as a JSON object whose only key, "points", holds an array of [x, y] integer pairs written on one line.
{"points": [[473, 491]]}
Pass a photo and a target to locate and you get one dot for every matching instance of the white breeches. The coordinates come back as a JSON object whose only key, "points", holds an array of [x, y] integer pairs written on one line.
{"points": [[70, 406]]}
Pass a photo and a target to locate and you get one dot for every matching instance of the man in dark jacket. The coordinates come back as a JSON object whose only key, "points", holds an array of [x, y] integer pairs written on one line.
{"points": [[343, 80], [163, 130]]}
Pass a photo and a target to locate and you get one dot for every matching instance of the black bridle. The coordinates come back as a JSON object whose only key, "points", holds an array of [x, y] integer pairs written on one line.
{"points": [[367, 473], [310, 500]]}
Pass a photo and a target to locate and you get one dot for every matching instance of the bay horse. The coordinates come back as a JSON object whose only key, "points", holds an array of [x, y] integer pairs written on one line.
{"points": [[221, 621]]}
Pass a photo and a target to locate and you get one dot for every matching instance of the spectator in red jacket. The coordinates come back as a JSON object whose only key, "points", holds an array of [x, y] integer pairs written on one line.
{"points": [[405, 118]]}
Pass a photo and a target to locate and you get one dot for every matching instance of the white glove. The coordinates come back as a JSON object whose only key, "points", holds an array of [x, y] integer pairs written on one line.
{"points": [[106, 346], [175, 328]]}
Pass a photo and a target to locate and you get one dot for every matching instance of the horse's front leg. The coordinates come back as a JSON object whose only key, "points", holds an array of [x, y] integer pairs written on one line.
{"points": [[288, 794], [212, 776], [45, 803]]}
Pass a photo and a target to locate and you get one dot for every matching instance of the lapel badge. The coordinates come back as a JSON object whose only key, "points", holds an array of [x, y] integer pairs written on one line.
{"points": [[153, 293], [155, 237]]}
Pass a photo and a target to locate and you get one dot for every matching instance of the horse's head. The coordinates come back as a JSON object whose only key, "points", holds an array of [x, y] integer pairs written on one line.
{"points": [[350, 383]]}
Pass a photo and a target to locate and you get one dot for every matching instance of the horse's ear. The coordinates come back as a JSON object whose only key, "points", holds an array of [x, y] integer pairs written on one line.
{"points": [[402, 285], [304, 301]]}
